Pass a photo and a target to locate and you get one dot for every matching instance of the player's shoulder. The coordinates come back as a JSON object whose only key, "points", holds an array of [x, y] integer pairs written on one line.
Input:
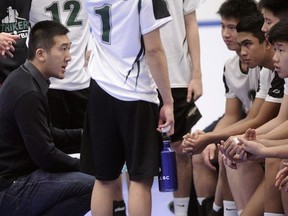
{"points": [[232, 64]]}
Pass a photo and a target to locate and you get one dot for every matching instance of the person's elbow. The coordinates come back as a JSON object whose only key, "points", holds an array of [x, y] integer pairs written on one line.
{"points": [[154, 52]]}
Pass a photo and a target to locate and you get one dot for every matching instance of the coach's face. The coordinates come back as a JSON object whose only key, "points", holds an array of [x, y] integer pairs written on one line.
{"points": [[57, 58]]}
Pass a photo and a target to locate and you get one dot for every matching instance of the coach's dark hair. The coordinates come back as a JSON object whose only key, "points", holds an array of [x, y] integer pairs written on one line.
{"points": [[237, 8], [279, 8], [279, 32], [42, 36], [252, 23]]}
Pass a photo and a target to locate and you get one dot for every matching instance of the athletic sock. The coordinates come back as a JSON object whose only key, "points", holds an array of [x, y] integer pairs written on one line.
{"points": [[200, 200], [181, 206], [272, 214], [216, 208], [230, 208], [239, 212]]}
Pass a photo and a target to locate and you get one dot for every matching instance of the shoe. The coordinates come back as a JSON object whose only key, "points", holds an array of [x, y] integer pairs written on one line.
{"points": [[206, 207], [171, 206], [119, 208]]}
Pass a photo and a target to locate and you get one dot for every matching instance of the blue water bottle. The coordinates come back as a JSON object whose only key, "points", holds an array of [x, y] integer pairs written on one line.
{"points": [[167, 178]]}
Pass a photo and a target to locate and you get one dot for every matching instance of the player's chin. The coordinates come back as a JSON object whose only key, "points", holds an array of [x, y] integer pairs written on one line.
{"points": [[61, 75], [281, 74]]}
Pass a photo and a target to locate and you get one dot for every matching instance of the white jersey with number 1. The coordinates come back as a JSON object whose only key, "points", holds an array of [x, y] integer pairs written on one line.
{"points": [[117, 63]]}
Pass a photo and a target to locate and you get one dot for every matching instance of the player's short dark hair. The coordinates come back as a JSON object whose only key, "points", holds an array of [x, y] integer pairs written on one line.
{"points": [[252, 23], [279, 8], [42, 35], [237, 8], [279, 32]]}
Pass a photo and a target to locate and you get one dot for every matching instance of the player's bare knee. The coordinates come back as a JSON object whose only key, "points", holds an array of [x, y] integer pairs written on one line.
{"points": [[272, 163], [197, 160]]}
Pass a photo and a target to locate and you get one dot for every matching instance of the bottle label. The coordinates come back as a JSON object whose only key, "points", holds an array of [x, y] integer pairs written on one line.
{"points": [[163, 178]]}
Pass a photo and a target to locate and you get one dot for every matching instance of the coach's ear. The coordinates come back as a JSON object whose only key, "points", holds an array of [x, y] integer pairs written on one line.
{"points": [[40, 54]]}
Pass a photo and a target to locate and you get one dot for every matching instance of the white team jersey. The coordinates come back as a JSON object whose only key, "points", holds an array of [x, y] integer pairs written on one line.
{"points": [[117, 63], [178, 59], [247, 86], [286, 86], [72, 15]]}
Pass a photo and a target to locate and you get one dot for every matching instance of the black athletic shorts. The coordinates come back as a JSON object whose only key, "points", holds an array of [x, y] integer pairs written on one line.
{"points": [[186, 114], [123, 131], [68, 108]]}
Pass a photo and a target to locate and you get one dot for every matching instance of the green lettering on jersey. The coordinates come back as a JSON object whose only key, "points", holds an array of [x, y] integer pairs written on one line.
{"points": [[104, 13], [73, 7]]}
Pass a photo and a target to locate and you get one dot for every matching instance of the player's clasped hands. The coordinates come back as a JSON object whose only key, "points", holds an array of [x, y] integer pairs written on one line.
{"points": [[241, 148], [232, 149], [190, 144], [236, 148], [7, 42], [229, 150]]}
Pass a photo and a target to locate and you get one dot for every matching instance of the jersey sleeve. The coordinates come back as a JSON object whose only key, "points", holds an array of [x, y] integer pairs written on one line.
{"points": [[229, 93], [264, 83], [190, 5], [286, 86], [153, 15], [276, 91]]}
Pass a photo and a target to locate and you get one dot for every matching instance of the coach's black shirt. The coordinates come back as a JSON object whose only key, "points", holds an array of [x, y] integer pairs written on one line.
{"points": [[26, 142]]}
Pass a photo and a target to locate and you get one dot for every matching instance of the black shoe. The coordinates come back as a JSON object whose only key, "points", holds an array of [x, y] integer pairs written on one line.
{"points": [[119, 208], [171, 206], [214, 213], [206, 207]]}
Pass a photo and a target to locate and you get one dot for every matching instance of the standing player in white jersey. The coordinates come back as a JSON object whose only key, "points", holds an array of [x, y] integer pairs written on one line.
{"points": [[68, 97], [180, 40], [123, 106]]}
